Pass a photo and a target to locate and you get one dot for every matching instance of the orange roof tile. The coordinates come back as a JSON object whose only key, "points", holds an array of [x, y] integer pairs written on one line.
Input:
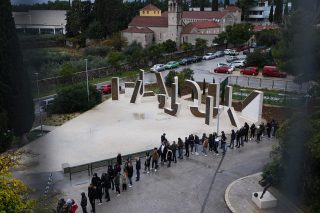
{"points": [[149, 21]]}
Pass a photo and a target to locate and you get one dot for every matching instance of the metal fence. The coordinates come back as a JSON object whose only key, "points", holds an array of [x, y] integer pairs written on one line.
{"points": [[265, 83]]}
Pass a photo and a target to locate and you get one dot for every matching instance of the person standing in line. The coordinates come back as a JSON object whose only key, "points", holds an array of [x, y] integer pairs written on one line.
{"points": [[252, 131], [191, 142], [246, 131], [107, 186], [163, 153], [111, 174], [174, 151], [138, 167], [238, 139], [95, 179], [163, 137], [216, 143], [124, 181], [61, 202], [241, 134], [84, 202], [155, 158], [74, 206], [211, 142], [262, 129], [196, 144], [169, 157], [268, 127], [186, 146], [147, 163], [223, 142], [119, 159], [104, 184], [205, 146], [130, 173], [99, 192], [233, 137], [204, 136], [92, 197], [259, 133], [117, 183], [180, 148]]}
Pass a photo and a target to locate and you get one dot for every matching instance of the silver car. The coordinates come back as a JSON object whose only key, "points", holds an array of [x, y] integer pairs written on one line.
{"points": [[157, 68]]}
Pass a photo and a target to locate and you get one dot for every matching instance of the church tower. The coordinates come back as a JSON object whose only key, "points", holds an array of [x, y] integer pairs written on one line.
{"points": [[174, 21]]}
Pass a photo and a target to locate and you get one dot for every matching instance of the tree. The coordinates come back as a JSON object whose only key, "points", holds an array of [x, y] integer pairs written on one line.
{"points": [[15, 195], [271, 14], [186, 46], [134, 53], [259, 59], [116, 41], [200, 43], [215, 5], [169, 46], [185, 74], [114, 58], [95, 30], [267, 37], [238, 33], [245, 5], [74, 98], [67, 72], [278, 12], [226, 3], [15, 92], [286, 10]]}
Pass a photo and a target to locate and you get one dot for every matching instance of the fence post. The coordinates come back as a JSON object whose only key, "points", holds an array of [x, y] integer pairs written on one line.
{"points": [[272, 84], [237, 80], [285, 88], [260, 82], [248, 81], [70, 173]]}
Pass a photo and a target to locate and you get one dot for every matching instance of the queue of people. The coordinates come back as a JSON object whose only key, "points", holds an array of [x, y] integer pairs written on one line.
{"points": [[121, 175]]}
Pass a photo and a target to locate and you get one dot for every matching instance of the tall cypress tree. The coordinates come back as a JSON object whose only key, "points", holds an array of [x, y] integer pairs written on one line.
{"points": [[215, 5], [271, 14], [286, 10], [14, 81], [278, 12], [226, 3]]}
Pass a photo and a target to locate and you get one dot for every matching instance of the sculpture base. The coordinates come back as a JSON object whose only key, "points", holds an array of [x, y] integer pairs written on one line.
{"points": [[268, 200]]}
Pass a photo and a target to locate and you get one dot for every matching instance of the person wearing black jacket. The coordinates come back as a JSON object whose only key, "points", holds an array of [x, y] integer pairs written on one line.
{"points": [[268, 127], [191, 142], [106, 185], [138, 167], [92, 197], [84, 202], [99, 192], [130, 173], [238, 138], [196, 144], [169, 157], [119, 159], [233, 137], [111, 175], [95, 179], [252, 131], [174, 151], [180, 148], [186, 146], [246, 131]]}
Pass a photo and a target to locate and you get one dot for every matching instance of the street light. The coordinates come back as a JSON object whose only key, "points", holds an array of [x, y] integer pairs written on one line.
{"points": [[87, 78], [40, 114]]}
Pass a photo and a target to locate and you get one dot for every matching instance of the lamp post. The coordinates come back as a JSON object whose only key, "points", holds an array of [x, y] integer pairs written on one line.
{"points": [[87, 78], [40, 113]]}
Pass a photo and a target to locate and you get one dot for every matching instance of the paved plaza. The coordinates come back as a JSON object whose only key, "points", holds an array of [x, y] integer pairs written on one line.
{"points": [[117, 126]]}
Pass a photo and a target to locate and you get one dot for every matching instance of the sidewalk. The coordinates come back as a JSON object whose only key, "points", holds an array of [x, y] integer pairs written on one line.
{"points": [[238, 197]]}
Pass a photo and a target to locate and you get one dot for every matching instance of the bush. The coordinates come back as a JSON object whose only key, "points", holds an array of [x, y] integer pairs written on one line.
{"points": [[95, 30], [185, 74], [97, 51], [259, 59], [74, 99], [274, 168]]}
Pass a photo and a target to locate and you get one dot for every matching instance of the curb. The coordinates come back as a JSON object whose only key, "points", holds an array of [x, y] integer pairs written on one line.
{"points": [[226, 195]]}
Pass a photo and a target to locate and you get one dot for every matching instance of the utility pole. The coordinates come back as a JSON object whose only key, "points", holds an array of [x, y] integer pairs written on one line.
{"points": [[39, 103], [87, 78]]}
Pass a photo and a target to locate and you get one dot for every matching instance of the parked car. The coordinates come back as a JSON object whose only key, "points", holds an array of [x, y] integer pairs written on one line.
{"points": [[227, 51], [208, 56], [250, 71], [219, 54], [224, 69], [186, 61], [238, 63], [196, 58], [45, 104], [105, 89], [225, 64], [231, 59], [171, 65], [157, 68], [273, 71], [233, 53]]}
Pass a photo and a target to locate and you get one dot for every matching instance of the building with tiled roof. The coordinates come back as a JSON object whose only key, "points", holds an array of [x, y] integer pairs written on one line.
{"points": [[177, 25]]}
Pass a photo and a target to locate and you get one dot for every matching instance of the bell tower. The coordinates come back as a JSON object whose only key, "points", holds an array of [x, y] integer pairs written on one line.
{"points": [[174, 21]]}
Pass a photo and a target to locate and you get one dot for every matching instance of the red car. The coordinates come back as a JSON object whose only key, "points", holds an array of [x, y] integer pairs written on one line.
{"points": [[250, 71], [273, 71], [223, 69], [105, 88]]}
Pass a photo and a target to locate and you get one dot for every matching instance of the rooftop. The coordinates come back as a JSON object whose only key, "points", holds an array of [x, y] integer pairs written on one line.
{"points": [[150, 7]]}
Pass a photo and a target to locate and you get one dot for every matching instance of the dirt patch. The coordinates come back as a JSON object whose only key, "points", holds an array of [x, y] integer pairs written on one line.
{"points": [[59, 119]]}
